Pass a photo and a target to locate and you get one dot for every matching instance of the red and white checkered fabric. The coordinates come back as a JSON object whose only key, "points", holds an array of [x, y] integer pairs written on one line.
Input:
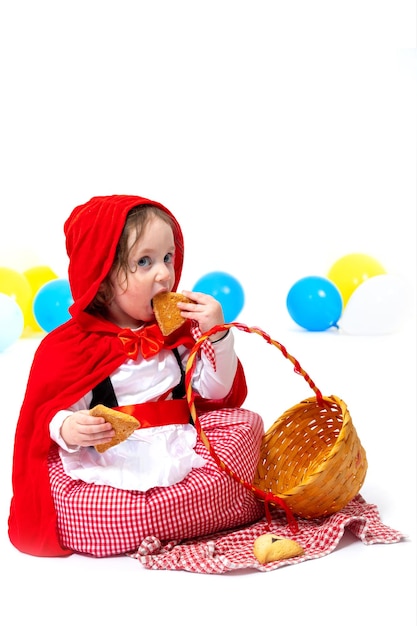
{"points": [[206, 346], [233, 550], [103, 521]]}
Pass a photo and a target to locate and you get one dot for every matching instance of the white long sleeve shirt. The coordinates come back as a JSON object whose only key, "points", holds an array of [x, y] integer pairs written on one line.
{"points": [[156, 456]]}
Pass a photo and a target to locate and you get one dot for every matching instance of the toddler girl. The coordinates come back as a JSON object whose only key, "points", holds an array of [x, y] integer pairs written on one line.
{"points": [[161, 481]]}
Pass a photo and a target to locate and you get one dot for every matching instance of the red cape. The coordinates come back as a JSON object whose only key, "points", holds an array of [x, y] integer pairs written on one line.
{"points": [[70, 361]]}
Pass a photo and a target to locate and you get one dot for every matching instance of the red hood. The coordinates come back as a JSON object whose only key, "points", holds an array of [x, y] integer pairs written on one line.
{"points": [[92, 232]]}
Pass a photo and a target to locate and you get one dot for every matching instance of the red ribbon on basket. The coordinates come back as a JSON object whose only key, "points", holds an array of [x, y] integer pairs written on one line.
{"points": [[266, 496]]}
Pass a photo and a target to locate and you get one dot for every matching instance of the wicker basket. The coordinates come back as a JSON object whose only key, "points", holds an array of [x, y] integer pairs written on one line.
{"points": [[312, 458], [311, 462]]}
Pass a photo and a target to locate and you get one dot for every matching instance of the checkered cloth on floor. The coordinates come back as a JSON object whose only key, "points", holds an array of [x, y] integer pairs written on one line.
{"points": [[233, 550]]}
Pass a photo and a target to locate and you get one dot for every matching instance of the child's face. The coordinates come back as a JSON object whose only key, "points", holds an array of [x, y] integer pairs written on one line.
{"points": [[151, 270]]}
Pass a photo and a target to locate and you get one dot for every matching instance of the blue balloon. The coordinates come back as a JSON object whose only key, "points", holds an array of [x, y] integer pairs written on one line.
{"points": [[226, 289], [51, 304], [315, 303], [11, 321]]}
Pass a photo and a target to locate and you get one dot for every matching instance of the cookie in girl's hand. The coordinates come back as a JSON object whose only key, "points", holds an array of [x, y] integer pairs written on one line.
{"points": [[123, 425], [270, 547], [167, 314]]}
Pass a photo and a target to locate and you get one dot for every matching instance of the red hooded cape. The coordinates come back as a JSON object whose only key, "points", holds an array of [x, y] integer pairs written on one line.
{"points": [[70, 361]]}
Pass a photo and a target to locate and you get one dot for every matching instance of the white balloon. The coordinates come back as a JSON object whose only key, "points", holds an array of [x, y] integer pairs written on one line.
{"points": [[378, 306], [11, 321]]}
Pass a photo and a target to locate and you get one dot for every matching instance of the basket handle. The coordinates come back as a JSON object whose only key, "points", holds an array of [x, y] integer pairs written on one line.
{"points": [[253, 329], [190, 366]]}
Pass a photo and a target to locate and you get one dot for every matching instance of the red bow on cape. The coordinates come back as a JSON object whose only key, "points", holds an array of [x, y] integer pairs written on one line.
{"points": [[149, 340]]}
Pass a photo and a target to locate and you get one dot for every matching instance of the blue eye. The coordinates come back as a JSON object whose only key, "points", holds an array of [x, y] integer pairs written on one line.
{"points": [[169, 258], [144, 261]]}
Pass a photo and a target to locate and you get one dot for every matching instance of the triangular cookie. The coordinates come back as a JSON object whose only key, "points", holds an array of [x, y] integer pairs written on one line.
{"points": [[167, 314], [123, 425]]}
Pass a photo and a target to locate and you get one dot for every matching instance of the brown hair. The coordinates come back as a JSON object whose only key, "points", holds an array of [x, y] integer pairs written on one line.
{"points": [[136, 220]]}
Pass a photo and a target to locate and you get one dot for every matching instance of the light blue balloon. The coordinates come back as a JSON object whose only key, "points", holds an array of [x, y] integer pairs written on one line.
{"points": [[11, 321], [51, 304], [315, 303], [226, 289]]}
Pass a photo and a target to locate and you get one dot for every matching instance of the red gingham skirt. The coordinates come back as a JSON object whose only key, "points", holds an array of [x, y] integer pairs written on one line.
{"points": [[103, 521]]}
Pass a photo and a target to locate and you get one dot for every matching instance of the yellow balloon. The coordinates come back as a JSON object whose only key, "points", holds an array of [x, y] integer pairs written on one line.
{"points": [[15, 285], [352, 270], [37, 277]]}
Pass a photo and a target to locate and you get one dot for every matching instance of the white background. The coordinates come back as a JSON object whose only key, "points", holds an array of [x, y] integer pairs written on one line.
{"points": [[282, 135]]}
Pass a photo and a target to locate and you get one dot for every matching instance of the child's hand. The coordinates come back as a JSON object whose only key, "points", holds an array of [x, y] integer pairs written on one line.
{"points": [[205, 310], [82, 429]]}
